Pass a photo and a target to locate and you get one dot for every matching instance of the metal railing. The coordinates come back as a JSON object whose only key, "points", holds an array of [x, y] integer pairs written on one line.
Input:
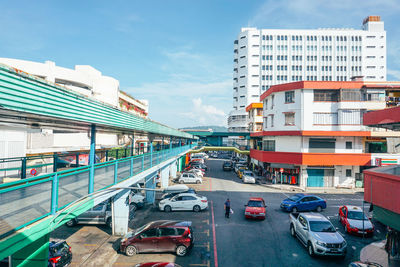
{"points": [[28, 200]]}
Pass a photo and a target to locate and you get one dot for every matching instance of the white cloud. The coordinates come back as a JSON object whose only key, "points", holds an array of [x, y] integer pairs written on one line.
{"points": [[202, 114], [197, 89]]}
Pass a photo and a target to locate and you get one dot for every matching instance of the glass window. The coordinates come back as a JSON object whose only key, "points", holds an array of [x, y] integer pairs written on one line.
{"points": [[348, 173], [326, 95], [322, 226], [180, 230], [269, 145], [349, 145], [289, 118], [98, 207], [149, 233], [167, 232]]}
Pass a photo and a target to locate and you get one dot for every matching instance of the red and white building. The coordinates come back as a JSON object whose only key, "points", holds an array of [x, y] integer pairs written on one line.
{"points": [[313, 133]]}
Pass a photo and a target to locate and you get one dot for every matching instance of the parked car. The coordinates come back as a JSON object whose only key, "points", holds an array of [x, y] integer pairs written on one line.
{"points": [[60, 254], [241, 170], [196, 167], [248, 177], [301, 202], [238, 166], [354, 221], [201, 160], [318, 234], [157, 264], [198, 172], [184, 201], [159, 236], [189, 178], [227, 166], [100, 214], [201, 165], [136, 199], [255, 208]]}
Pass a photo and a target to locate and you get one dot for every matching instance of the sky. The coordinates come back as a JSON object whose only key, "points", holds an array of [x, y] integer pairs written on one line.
{"points": [[178, 54]]}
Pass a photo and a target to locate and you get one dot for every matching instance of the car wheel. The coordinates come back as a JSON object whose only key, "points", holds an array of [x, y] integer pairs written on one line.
{"points": [[294, 209], [134, 207], [71, 223], [167, 208], [292, 231], [181, 181], [310, 249], [130, 251], [196, 208], [319, 209], [198, 182], [109, 222], [181, 250]]}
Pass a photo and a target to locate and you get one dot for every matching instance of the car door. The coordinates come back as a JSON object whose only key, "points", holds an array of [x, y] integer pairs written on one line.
{"points": [[190, 202], [177, 203], [312, 203], [167, 239], [191, 178], [344, 215], [93, 215], [302, 204], [301, 232], [147, 241]]}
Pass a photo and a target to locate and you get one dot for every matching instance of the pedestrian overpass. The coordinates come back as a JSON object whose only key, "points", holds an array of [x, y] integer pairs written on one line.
{"points": [[31, 208], [220, 148]]}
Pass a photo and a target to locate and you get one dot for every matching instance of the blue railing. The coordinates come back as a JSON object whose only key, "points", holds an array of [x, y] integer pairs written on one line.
{"points": [[26, 201]]}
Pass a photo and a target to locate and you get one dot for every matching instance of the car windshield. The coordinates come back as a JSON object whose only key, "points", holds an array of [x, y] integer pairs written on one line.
{"points": [[356, 215], [254, 203], [322, 227], [295, 197], [137, 231], [248, 173]]}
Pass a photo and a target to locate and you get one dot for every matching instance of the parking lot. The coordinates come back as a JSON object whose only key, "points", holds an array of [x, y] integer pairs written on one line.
{"points": [[235, 241]]}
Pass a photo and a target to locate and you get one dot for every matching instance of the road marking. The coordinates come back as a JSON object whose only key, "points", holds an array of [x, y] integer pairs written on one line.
{"points": [[294, 255], [205, 232], [378, 231], [206, 221], [123, 263], [194, 264], [353, 247], [286, 195], [90, 245], [204, 246], [214, 236]]}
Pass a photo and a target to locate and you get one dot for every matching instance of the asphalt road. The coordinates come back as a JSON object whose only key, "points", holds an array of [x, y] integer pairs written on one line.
{"points": [[220, 241], [242, 242]]}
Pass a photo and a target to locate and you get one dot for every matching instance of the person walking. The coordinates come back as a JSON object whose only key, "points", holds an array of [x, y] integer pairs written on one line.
{"points": [[227, 207]]}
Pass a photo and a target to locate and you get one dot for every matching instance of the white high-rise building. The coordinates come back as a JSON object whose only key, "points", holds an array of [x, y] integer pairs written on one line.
{"points": [[266, 57]]}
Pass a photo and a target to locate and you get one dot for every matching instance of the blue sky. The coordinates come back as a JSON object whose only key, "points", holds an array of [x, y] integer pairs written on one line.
{"points": [[176, 54]]}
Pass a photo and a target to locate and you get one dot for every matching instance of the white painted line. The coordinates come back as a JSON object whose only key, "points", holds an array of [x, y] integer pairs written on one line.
{"points": [[286, 195], [353, 247], [294, 255], [378, 231]]}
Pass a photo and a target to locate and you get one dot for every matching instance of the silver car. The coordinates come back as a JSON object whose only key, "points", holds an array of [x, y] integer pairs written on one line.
{"points": [[248, 177], [318, 234]]}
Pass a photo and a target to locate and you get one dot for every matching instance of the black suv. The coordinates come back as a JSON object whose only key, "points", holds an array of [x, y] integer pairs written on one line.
{"points": [[59, 254], [227, 166]]}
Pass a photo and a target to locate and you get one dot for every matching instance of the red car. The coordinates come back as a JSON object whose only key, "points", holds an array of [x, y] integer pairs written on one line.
{"points": [[255, 208], [159, 236], [355, 221]]}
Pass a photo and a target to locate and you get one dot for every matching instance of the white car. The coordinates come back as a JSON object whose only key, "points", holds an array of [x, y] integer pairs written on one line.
{"points": [[189, 178], [184, 201], [196, 172], [248, 177]]}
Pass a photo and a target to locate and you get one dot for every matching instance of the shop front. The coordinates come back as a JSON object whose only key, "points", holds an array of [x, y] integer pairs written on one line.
{"points": [[283, 173], [320, 176]]}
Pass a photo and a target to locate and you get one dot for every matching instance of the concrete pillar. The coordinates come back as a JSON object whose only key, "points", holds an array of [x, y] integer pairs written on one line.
{"points": [[172, 170], [120, 212], [150, 184], [164, 177], [33, 255], [92, 157]]}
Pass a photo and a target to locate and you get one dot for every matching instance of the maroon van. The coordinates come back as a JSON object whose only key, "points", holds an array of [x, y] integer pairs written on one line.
{"points": [[159, 236]]}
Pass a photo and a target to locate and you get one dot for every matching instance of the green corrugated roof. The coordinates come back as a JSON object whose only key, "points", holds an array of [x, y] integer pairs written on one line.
{"points": [[22, 92]]}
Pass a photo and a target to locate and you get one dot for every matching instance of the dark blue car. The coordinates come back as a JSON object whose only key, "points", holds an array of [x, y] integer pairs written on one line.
{"points": [[301, 202]]}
